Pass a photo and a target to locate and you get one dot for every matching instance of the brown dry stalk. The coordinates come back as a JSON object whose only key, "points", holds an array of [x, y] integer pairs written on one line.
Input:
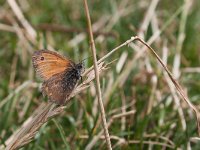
{"points": [[111, 52], [123, 141], [98, 89], [17, 11], [176, 84], [97, 137]]}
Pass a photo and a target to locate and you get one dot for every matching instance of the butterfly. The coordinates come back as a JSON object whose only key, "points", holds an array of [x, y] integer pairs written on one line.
{"points": [[60, 74]]}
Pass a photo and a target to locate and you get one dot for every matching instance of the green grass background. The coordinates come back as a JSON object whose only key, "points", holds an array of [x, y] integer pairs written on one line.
{"points": [[64, 131]]}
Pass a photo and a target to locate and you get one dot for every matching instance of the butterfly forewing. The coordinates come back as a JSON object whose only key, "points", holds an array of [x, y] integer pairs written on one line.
{"points": [[48, 63]]}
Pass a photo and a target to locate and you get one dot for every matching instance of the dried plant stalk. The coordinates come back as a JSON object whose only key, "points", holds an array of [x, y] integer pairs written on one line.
{"points": [[98, 89], [176, 84]]}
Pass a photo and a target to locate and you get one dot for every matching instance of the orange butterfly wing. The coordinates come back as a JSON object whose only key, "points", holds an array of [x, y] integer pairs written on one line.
{"points": [[48, 63]]}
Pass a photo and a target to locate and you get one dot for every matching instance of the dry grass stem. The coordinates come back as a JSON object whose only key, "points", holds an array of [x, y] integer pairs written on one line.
{"points": [[97, 137], [123, 141], [17, 11], [181, 38], [176, 84], [151, 143], [173, 91], [7, 28], [17, 90], [140, 53], [112, 51], [191, 70], [98, 89]]}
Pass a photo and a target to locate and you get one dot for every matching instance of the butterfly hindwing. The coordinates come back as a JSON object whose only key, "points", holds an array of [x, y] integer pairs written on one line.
{"points": [[60, 86], [54, 90]]}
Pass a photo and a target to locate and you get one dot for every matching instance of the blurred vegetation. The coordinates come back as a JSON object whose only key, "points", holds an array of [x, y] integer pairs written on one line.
{"points": [[153, 125]]}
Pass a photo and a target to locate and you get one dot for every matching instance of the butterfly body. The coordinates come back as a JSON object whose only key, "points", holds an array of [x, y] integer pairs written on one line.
{"points": [[60, 74]]}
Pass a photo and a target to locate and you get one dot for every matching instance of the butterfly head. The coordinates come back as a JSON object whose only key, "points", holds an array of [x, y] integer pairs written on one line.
{"points": [[80, 68]]}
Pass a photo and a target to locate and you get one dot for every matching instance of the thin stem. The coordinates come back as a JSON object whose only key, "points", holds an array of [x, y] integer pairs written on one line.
{"points": [[110, 53], [176, 84], [98, 89]]}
